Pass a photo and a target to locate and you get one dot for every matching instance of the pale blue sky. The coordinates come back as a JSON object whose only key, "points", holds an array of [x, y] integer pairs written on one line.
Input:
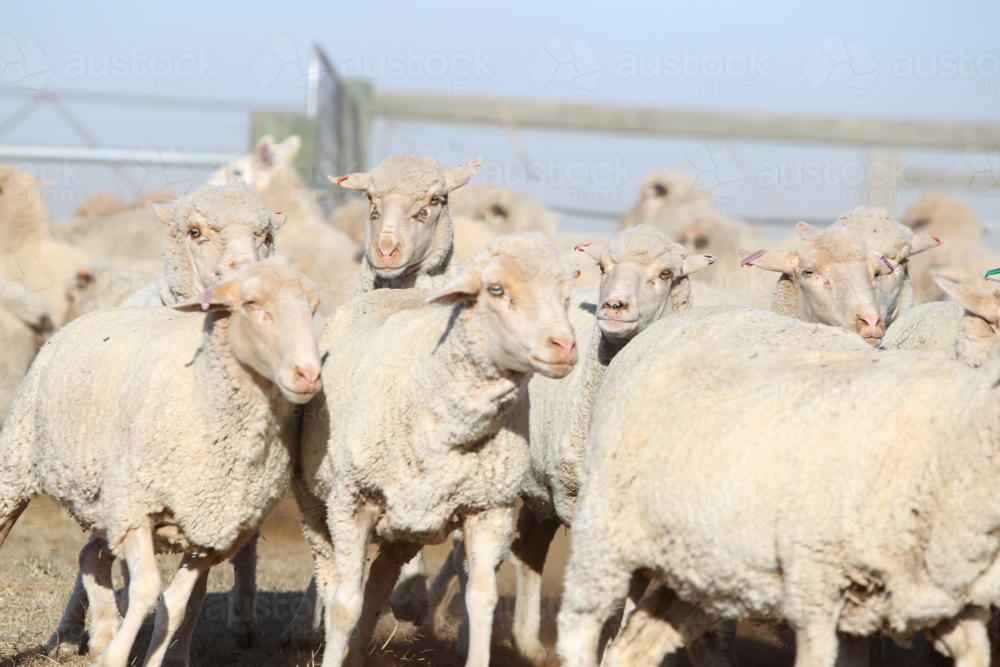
{"points": [[718, 55]]}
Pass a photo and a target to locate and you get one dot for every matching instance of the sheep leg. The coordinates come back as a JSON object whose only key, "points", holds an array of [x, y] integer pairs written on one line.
{"points": [[9, 518], [143, 590], [409, 600], [487, 539], [443, 589], [528, 552], [305, 630], [351, 537], [660, 624], [816, 642], [93, 581], [179, 651], [964, 638], [242, 598], [173, 611], [384, 572]]}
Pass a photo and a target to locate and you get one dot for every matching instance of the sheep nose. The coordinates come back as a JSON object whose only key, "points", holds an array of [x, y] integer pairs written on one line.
{"points": [[388, 244], [306, 376], [565, 345], [616, 304], [870, 326]]}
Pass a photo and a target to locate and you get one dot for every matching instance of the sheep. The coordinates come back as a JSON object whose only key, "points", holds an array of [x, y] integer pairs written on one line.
{"points": [[213, 230], [897, 244], [453, 453], [325, 254], [676, 204], [105, 284], [963, 252], [135, 458], [409, 235], [482, 212], [100, 204], [830, 279], [28, 253], [728, 487]]}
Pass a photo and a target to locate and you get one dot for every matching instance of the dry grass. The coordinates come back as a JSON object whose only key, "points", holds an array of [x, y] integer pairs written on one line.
{"points": [[38, 564]]}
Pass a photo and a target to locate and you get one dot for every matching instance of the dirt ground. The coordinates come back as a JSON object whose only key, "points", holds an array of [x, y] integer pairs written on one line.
{"points": [[39, 560]]}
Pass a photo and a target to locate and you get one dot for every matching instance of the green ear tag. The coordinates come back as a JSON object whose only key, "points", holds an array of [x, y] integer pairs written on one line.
{"points": [[991, 272]]}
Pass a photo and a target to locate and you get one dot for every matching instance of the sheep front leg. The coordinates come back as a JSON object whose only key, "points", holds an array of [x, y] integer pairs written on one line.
{"points": [[242, 599], [143, 590], [816, 642], [964, 638], [487, 541], [528, 552], [179, 652], [384, 572], [173, 610], [351, 537]]}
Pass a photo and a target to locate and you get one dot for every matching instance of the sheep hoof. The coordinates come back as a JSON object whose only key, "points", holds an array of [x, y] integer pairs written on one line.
{"points": [[60, 650], [534, 653]]}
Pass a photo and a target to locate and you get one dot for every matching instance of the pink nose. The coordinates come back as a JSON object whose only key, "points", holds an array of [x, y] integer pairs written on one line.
{"points": [[565, 345], [306, 377], [870, 326], [387, 245]]}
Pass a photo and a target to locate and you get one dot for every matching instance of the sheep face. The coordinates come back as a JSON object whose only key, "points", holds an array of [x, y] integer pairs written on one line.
{"points": [[268, 161], [661, 194], [408, 197], [519, 289], [638, 269], [834, 276], [271, 305], [216, 230]]}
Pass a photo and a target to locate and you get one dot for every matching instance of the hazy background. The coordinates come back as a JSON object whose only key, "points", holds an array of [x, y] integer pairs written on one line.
{"points": [[893, 59]]}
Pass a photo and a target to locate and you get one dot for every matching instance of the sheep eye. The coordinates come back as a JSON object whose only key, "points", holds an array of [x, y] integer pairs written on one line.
{"points": [[250, 304], [665, 275], [435, 201], [496, 290], [195, 233], [601, 267], [808, 272]]}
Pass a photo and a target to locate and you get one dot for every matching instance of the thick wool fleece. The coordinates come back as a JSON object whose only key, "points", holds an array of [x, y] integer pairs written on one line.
{"points": [[727, 485], [505, 210], [28, 253], [413, 177], [947, 327], [169, 424]]}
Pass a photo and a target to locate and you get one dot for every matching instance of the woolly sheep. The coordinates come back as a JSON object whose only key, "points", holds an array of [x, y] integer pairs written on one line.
{"points": [[830, 279], [198, 388], [739, 500], [483, 212], [323, 253], [454, 454], [897, 244], [100, 204], [105, 284], [24, 325], [125, 236], [28, 253], [963, 252], [212, 231], [409, 234]]}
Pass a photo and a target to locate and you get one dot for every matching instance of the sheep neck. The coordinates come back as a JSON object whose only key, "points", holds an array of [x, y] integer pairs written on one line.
{"points": [[477, 395], [28, 223]]}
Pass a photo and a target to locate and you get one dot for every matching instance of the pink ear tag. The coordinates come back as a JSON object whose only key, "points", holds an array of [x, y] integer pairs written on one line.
{"points": [[749, 258], [206, 300], [892, 269]]}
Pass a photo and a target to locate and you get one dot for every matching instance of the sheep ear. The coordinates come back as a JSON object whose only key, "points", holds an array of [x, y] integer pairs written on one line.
{"points": [[162, 211], [595, 250], [356, 181], [975, 301], [463, 287], [923, 241], [278, 219], [696, 263], [290, 147], [806, 231], [224, 295], [265, 148], [459, 176], [771, 260]]}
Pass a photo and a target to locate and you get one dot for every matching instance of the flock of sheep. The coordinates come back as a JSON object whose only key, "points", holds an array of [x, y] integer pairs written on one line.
{"points": [[696, 446]]}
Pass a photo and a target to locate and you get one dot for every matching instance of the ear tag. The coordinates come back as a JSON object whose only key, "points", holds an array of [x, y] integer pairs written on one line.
{"points": [[892, 269], [206, 300], [342, 179], [749, 258], [579, 248]]}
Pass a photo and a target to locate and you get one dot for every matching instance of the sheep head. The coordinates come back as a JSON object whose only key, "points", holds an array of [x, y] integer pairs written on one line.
{"points": [[271, 305], [641, 272], [833, 274], [661, 195], [212, 231], [408, 220], [518, 289], [270, 163]]}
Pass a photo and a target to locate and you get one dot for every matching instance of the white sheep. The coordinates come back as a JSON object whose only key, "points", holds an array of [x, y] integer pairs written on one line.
{"points": [[29, 254], [125, 236], [135, 457], [25, 323], [728, 487], [418, 434], [324, 253], [409, 235], [106, 284], [897, 244], [211, 231], [483, 212]]}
